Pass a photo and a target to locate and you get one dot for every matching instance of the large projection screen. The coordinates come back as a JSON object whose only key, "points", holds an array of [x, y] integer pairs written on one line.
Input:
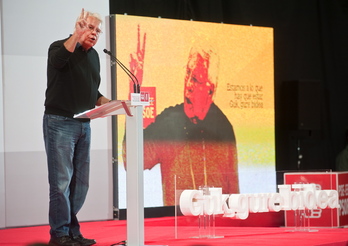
{"points": [[213, 75]]}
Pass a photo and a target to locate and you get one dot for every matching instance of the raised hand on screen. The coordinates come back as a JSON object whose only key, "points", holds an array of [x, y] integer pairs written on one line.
{"points": [[136, 64]]}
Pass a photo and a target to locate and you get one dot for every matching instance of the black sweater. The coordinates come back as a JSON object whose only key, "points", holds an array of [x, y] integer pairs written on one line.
{"points": [[73, 80]]}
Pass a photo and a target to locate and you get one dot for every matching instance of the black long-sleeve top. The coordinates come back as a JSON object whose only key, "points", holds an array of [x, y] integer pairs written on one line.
{"points": [[73, 80]]}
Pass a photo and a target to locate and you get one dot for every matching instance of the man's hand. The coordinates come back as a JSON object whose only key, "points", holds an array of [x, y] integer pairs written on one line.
{"points": [[102, 100], [81, 24], [80, 28]]}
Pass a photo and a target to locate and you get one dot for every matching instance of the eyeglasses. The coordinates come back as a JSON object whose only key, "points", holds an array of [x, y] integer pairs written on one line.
{"points": [[96, 29]]}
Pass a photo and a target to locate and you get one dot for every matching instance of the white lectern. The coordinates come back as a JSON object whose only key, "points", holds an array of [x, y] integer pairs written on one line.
{"points": [[135, 160]]}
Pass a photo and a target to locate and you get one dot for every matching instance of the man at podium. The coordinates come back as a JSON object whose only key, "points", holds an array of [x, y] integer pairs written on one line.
{"points": [[73, 78]]}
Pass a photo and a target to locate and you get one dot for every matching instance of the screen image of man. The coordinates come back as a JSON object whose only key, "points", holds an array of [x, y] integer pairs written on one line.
{"points": [[193, 142]]}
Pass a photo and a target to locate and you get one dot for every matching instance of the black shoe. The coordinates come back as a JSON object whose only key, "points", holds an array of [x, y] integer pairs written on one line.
{"points": [[83, 241], [63, 241]]}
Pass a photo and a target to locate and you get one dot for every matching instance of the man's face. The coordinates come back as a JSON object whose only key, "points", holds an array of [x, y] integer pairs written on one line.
{"points": [[90, 37], [199, 89]]}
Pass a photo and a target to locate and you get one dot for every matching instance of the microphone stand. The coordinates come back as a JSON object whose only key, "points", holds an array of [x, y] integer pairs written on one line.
{"points": [[136, 85]]}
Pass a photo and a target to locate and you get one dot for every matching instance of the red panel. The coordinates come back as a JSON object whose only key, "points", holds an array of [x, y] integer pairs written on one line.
{"points": [[343, 197], [317, 217]]}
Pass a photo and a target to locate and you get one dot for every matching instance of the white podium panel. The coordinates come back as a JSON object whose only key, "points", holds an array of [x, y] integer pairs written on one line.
{"points": [[135, 162]]}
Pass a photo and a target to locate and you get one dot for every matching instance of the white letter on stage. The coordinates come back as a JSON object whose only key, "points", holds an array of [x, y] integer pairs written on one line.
{"points": [[240, 203], [284, 191], [191, 202], [333, 198], [322, 199]]}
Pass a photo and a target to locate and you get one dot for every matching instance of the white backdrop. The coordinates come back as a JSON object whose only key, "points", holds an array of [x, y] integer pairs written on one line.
{"points": [[27, 30]]}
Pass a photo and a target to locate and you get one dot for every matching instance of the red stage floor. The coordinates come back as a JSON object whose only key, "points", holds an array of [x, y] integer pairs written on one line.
{"points": [[161, 231]]}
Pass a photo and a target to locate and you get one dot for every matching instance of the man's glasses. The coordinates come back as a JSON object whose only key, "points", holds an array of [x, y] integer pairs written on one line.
{"points": [[96, 29]]}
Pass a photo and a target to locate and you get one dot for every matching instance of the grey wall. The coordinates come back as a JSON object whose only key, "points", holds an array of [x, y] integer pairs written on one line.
{"points": [[27, 28], [2, 164]]}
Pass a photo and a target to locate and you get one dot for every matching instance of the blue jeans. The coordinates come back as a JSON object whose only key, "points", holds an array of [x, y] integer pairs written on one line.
{"points": [[67, 143]]}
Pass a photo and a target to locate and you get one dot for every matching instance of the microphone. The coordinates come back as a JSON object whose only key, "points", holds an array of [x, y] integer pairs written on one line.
{"points": [[136, 86]]}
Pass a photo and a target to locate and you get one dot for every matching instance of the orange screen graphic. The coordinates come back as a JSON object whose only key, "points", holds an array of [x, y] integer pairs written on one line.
{"points": [[187, 66]]}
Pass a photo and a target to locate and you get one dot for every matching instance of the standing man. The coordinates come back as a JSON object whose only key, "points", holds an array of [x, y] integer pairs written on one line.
{"points": [[73, 79]]}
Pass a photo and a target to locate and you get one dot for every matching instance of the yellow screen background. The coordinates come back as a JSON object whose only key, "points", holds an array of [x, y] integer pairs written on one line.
{"points": [[245, 89]]}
